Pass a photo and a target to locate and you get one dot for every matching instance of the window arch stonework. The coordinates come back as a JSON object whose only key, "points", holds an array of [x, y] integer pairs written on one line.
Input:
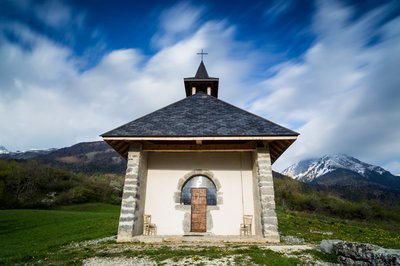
{"points": [[199, 181], [182, 181], [206, 173]]}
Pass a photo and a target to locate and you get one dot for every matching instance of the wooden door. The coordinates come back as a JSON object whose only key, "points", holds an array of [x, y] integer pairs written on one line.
{"points": [[199, 205]]}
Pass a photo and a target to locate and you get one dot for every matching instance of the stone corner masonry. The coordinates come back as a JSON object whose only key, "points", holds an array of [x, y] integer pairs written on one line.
{"points": [[131, 217], [262, 171]]}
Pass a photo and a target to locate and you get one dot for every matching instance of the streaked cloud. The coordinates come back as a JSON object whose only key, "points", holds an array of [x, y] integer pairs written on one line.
{"points": [[50, 102], [53, 13], [277, 9], [344, 94], [341, 94], [176, 23]]}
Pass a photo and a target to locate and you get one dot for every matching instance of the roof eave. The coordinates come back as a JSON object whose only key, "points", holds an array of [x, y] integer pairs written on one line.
{"points": [[188, 138], [197, 79]]}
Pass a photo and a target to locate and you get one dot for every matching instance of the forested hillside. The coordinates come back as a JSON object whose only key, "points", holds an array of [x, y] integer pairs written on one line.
{"points": [[90, 172], [30, 184], [85, 157], [294, 195]]}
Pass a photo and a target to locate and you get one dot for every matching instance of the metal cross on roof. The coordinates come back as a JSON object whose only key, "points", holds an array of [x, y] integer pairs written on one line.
{"points": [[202, 53]]}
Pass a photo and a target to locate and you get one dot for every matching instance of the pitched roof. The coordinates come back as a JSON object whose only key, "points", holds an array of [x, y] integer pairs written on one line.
{"points": [[200, 115]]}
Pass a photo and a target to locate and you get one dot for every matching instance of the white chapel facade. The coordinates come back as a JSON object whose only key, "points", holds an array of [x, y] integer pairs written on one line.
{"points": [[198, 166]]}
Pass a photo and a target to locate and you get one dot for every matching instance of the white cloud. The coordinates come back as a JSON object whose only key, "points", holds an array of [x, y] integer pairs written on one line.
{"points": [[50, 13], [344, 95], [50, 103], [53, 13], [176, 23]]}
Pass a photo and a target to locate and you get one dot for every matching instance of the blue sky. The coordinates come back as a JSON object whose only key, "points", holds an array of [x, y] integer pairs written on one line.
{"points": [[71, 70]]}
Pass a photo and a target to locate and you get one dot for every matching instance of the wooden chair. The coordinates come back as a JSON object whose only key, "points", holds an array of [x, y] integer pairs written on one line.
{"points": [[245, 227], [148, 227]]}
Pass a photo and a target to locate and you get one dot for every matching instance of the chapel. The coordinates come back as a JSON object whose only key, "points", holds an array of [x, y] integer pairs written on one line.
{"points": [[199, 167]]}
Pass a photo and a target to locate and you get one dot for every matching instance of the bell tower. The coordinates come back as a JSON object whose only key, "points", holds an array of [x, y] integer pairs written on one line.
{"points": [[201, 82]]}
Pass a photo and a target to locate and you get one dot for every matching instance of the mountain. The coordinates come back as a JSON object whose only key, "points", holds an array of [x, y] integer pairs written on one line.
{"points": [[85, 157], [348, 178], [341, 170], [23, 155], [3, 150]]}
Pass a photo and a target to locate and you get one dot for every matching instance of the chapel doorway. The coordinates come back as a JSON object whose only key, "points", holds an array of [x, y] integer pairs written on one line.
{"points": [[199, 206], [198, 191]]}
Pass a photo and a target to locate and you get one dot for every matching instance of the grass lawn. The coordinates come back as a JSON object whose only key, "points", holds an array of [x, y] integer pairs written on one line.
{"points": [[41, 237], [27, 233]]}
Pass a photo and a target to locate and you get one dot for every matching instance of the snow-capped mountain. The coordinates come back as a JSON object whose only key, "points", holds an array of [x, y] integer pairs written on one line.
{"points": [[85, 157], [24, 155], [340, 168], [3, 150]]}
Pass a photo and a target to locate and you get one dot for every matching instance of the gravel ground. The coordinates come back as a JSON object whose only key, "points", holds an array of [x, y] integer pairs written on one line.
{"points": [[94, 242], [112, 248], [123, 261]]}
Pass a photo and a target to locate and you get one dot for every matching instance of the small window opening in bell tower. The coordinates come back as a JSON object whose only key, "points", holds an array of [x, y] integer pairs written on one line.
{"points": [[201, 82]]}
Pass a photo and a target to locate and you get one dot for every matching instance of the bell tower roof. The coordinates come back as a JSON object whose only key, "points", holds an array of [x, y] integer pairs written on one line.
{"points": [[201, 82], [202, 72]]}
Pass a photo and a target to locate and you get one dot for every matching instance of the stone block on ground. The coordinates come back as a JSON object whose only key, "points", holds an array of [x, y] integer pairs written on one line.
{"points": [[353, 253], [293, 240], [327, 245]]}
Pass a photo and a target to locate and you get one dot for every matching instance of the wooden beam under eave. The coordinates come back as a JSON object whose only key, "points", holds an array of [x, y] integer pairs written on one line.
{"points": [[119, 146], [278, 147], [274, 151], [282, 145], [125, 150], [250, 146]]}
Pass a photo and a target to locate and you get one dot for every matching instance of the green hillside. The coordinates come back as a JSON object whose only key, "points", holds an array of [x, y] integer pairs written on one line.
{"points": [[296, 196], [29, 184]]}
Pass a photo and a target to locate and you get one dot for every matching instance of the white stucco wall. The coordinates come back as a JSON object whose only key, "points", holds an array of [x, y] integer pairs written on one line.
{"points": [[233, 172]]}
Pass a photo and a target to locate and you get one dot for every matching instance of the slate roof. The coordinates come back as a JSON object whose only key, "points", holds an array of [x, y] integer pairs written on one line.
{"points": [[200, 115]]}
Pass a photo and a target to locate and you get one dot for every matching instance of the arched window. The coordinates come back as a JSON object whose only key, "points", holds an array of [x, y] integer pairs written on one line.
{"points": [[199, 181]]}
